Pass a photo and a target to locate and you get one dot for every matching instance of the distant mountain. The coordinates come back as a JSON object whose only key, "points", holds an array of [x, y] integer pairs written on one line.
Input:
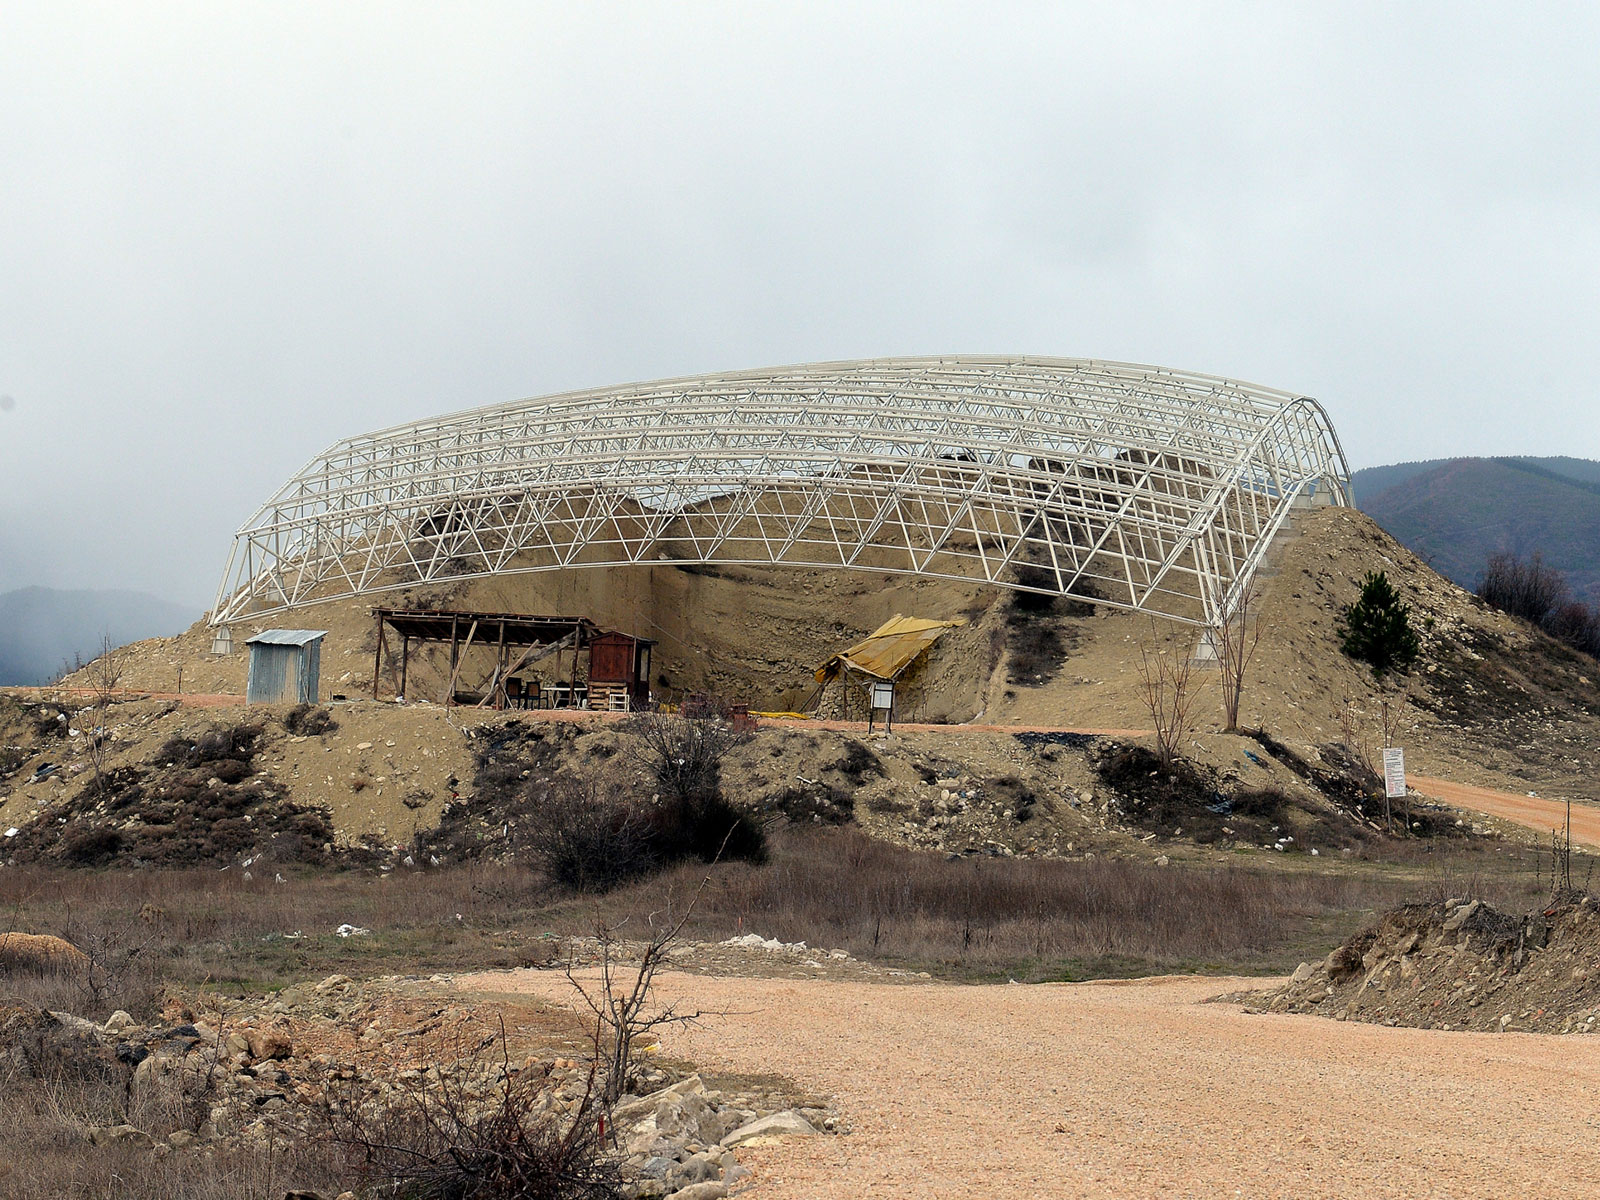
{"points": [[1455, 512], [42, 628]]}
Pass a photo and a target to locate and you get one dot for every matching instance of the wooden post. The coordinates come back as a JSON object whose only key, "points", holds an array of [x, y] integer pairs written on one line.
{"points": [[405, 655], [377, 656], [572, 692], [450, 696], [500, 668], [455, 653]]}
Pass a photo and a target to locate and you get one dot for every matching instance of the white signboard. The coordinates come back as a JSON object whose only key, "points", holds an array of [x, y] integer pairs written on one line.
{"points": [[1394, 772], [883, 695]]}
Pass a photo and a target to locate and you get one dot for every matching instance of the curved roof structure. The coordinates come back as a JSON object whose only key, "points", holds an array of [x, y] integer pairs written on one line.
{"points": [[1150, 489]]}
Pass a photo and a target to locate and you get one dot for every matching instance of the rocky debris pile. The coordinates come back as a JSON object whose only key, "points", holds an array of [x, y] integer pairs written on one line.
{"points": [[198, 801], [966, 814], [330, 1059], [1458, 965], [680, 1139]]}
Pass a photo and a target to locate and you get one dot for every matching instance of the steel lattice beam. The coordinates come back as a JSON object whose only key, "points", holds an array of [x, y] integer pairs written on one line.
{"points": [[1160, 488]]}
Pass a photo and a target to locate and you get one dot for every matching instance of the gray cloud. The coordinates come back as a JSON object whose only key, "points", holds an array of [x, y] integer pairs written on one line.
{"points": [[237, 233]]}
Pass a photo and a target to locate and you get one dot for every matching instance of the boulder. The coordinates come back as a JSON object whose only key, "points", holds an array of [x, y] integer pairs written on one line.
{"points": [[710, 1190], [265, 1044], [784, 1124]]}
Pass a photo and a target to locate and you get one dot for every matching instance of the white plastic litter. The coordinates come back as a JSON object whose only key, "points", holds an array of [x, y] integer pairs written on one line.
{"points": [[349, 931]]}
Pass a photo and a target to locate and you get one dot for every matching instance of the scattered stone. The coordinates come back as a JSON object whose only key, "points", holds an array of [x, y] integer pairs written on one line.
{"points": [[778, 1125]]}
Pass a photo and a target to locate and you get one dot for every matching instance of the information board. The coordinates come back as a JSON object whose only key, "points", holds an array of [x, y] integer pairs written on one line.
{"points": [[1394, 772]]}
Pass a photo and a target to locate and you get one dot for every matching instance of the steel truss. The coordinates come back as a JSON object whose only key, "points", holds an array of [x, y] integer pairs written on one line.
{"points": [[1156, 490]]}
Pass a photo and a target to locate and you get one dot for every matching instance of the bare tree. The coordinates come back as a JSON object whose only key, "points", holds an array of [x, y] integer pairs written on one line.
{"points": [[105, 679], [1237, 635], [621, 1001], [1165, 680]]}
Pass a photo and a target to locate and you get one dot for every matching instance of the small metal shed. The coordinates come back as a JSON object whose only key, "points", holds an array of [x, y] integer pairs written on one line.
{"points": [[284, 666]]}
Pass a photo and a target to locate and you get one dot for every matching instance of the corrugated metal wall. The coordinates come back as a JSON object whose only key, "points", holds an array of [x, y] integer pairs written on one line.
{"points": [[283, 674]]}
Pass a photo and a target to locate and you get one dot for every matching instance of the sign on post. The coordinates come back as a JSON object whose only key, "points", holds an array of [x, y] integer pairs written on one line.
{"points": [[882, 702], [1394, 772]]}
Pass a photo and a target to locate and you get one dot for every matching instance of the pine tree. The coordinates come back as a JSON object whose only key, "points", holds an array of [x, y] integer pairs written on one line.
{"points": [[1377, 628]]}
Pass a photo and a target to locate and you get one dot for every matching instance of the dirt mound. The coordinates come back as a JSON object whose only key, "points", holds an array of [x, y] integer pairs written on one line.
{"points": [[200, 801], [1492, 700], [1461, 965], [39, 952]]}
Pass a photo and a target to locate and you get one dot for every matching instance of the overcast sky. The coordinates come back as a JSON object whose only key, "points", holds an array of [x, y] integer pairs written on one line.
{"points": [[231, 234]]}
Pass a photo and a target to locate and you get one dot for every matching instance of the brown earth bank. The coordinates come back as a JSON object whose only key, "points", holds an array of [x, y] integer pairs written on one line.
{"points": [[1492, 701], [156, 783], [1462, 964], [1135, 1090]]}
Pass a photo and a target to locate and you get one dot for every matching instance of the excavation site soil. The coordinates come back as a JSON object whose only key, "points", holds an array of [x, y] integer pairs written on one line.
{"points": [[1013, 946]]}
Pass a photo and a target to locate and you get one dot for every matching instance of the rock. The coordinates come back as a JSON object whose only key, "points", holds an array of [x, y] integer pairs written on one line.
{"points": [[236, 1044], [1163, 861], [630, 1110], [700, 1191], [1303, 972], [108, 1135], [682, 1116], [657, 1166], [697, 1168], [265, 1044], [180, 1139], [778, 1125]]}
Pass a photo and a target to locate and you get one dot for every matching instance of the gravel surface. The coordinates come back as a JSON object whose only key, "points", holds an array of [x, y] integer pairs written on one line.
{"points": [[1535, 812], [1135, 1089]]}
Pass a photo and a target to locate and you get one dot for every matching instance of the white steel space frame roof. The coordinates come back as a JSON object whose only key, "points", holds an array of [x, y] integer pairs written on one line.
{"points": [[1156, 489]]}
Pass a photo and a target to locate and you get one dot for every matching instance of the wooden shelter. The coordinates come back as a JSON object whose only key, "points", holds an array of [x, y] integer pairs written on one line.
{"points": [[619, 671], [618, 663], [516, 638]]}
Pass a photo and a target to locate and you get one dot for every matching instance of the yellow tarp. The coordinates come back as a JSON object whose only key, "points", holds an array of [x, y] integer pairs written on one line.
{"points": [[890, 649]]}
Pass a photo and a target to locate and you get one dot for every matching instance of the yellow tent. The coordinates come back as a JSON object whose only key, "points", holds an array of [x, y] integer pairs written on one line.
{"points": [[889, 650]]}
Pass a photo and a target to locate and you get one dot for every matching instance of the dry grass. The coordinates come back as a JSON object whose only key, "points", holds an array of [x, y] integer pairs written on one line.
{"points": [[977, 917], [47, 1152], [1039, 919]]}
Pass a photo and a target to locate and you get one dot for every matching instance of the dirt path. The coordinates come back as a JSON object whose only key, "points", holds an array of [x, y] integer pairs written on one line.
{"points": [[1535, 812], [194, 699], [1136, 1090]]}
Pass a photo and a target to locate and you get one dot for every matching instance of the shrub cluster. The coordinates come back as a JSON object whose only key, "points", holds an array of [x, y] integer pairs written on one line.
{"points": [[1536, 592]]}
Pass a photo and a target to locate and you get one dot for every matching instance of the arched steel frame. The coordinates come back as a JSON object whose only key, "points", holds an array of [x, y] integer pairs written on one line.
{"points": [[1157, 489]]}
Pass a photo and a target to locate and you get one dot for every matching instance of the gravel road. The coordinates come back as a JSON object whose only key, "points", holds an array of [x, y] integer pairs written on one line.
{"points": [[1136, 1089], [1536, 812]]}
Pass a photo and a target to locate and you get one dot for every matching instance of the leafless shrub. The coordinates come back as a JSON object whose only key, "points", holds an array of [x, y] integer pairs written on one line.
{"points": [[1237, 636], [1525, 588], [586, 838], [621, 1002], [1164, 688], [683, 757], [1576, 624], [474, 1128], [104, 679]]}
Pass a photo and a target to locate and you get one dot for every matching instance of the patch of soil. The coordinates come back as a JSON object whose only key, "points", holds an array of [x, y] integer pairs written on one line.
{"points": [[1195, 801], [1461, 965], [196, 803]]}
